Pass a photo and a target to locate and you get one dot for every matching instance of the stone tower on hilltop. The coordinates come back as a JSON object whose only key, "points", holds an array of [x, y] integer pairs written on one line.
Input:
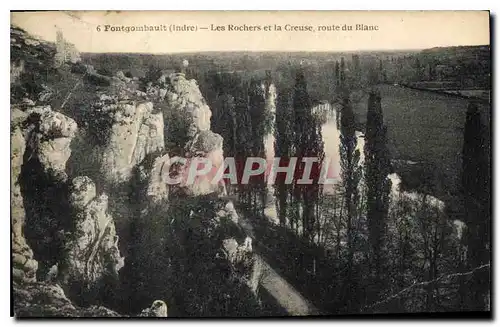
{"points": [[65, 51]]}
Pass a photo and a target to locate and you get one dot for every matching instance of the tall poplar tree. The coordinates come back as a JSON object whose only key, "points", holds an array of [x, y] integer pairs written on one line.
{"points": [[476, 177], [377, 163], [351, 175], [308, 143], [283, 140], [257, 112]]}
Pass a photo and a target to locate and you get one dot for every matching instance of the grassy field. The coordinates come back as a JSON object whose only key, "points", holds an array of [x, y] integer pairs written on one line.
{"points": [[424, 127]]}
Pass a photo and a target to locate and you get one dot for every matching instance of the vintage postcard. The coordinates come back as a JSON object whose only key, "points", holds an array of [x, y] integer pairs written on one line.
{"points": [[250, 164]]}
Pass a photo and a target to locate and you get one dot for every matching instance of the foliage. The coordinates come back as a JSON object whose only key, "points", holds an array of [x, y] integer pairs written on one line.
{"points": [[476, 179], [105, 71], [377, 169], [180, 260], [308, 142]]}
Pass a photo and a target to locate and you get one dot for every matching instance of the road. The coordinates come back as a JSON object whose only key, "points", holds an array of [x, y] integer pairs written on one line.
{"points": [[282, 291]]}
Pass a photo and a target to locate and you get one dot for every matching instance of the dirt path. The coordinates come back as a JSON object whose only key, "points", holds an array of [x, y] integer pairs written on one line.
{"points": [[282, 291]]}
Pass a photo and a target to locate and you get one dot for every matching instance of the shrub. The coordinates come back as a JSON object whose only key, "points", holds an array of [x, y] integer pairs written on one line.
{"points": [[105, 71], [98, 80], [78, 68]]}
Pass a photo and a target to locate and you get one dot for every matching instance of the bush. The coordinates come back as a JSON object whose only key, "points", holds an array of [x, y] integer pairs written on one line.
{"points": [[78, 68], [98, 80], [105, 71]]}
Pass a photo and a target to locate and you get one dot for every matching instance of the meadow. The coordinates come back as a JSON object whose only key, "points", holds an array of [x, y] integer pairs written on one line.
{"points": [[426, 128]]}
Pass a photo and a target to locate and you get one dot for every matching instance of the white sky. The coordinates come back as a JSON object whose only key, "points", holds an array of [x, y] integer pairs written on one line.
{"points": [[397, 30]]}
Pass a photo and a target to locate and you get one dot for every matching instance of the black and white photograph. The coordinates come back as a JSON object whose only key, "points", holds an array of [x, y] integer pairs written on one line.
{"points": [[250, 164]]}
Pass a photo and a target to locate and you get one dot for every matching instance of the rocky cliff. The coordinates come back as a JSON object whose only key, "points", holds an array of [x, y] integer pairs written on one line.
{"points": [[64, 243], [179, 230], [24, 266], [74, 243], [135, 132], [40, 142], [96, 229], [91, 251], [43, 299]]}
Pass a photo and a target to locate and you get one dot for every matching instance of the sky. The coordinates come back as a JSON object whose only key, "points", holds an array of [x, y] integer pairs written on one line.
{"points": [[397, 30]]}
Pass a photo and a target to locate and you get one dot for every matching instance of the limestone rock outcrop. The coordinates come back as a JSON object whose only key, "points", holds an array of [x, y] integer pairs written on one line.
{"points": [[64, 242], [245, 263], [158, 309], [122, 77], [150, 137], [42, 180], [229, 212], [184, 97], [42, 299], [24, 267], [187, 131], [49, 300], [91, 250], [49, 134], [188, 119], [136, 130], [157, 188], [207, 145]]}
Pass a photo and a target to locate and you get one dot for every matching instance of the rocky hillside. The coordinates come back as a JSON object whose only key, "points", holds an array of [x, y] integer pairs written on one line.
{"points": [[96, 230]]}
